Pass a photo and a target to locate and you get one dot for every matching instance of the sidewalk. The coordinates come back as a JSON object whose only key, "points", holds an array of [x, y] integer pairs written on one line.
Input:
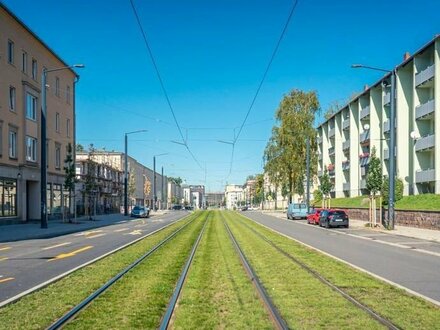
{"points": [[18, 232], [420, 233]]}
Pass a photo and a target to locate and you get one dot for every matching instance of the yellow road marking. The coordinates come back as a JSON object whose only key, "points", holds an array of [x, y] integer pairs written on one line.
{"points": [[93, 236], [6, 279], [122, 229], [135, 232], [71, 254], [55, 246], [3, 258], [5, 248]]}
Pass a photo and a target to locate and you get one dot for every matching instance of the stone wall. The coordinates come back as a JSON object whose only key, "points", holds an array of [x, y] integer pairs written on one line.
{"points": [[419, 219]]}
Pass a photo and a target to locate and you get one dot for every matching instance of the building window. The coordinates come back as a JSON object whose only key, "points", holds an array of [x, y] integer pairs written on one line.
{"points": [[31, 107], [24, 62], [57, 156], [31, 149], [10, 52], [57, 86], [12, 143], [68, 127], [68, 94], [12, 97], [34, 69], [57, 122], [8, 197]]}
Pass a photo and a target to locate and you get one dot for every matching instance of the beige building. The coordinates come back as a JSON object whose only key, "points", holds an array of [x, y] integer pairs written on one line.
{"points": [[23, 55], [346, 140]]}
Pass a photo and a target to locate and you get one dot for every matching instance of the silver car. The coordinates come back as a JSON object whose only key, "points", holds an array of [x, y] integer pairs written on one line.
{"points": [[297, 211], [140, 212]]}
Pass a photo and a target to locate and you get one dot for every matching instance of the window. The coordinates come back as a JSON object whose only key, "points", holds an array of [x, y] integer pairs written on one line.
{"points": [[57, 86], [68, 94], [57, 122], [10, 52], [12, 143], [1, 139], [57, 156], [68, 127], [8, 197], [12, 96], [24, 62], [31, 107], [31, 149], [34, 69]]}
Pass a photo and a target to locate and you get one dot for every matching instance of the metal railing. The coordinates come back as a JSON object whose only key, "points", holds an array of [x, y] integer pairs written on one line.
{"points": [[346, 145], [331, 151], [425, 109], [365, 112], [425, 75], [364, 136], [427, 175], [346, 123], [426, 142], [331, 132], [387, 98], [346, 186]]}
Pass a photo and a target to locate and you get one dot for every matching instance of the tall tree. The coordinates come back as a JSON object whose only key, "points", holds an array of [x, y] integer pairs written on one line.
{"points": [[176, 180], [131, 185], [70, 178], [374, 174], [90, 179]]}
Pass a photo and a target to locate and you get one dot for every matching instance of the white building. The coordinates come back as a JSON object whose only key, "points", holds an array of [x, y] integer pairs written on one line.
{"points": [[234, 196]]}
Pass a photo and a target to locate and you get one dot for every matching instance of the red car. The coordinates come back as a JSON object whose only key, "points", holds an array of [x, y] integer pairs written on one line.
{"points": [[313, 216]]}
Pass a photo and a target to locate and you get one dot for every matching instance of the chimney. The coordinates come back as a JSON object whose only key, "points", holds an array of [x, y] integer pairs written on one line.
{"points": [[365, 88], [406, 56]]}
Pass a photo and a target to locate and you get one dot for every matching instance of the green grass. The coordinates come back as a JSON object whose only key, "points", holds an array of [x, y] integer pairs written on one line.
{"points": [[41, 308], [422, 202], [405, 310], [217, 293]]}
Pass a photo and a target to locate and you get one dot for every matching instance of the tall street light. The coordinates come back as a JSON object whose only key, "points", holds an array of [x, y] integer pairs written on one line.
{"points": [[43, 169], [392, 169], [154, 180], [126, 169]]}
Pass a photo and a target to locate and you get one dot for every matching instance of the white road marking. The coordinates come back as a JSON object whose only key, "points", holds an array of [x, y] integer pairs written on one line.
{"points": [[4, 248], [135, 232], [122, 221], [3, 258], [119, 230], [94, 236], [85, 233], [55, 246]]}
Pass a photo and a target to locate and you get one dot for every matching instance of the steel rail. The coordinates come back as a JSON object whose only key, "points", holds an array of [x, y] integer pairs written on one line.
{"points": [[351, 299], [275, 315], [75, 310], [172, 303]]}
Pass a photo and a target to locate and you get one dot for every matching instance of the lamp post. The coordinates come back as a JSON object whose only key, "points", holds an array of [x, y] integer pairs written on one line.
{"points": [[154, 180], [43, 169], [392, 168], [126, 169]]}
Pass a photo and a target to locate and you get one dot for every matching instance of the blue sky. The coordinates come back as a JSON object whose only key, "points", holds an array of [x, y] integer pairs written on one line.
{"points": [[212, 56]]}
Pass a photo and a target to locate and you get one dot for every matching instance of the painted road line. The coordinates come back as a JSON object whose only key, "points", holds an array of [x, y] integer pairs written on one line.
{"points": [[123, 221], [70, 254], [94, 236], [7, 279], [4, 248], [122, 229], [135, 232], [3, 258], [85, 233], [55, 246]]}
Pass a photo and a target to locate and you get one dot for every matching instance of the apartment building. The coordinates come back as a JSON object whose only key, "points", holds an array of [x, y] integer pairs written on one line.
{"points": [[345, 140], [23, 55]]}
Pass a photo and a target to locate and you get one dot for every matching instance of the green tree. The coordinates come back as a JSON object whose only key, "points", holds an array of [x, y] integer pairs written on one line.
{"points": [[326, 184], [285, 153], [317, 196], [79, 147], [90, 179], [259, 189], [176, 180], [398, 190], [70, 178], [374, 174], [131, 185]]}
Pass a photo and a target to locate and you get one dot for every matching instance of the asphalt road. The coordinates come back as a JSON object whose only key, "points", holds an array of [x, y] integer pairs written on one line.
{"points": [[29, 263], [391, 257]]}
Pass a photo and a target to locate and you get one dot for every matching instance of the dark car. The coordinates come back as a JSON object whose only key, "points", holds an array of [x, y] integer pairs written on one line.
{"points": [[333, 218], [140, 212], [177, 207], [313, 216], [244, 208]]}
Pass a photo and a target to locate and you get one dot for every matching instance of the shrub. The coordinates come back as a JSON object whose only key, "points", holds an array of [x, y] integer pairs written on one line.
{"points": [[398, 191]]}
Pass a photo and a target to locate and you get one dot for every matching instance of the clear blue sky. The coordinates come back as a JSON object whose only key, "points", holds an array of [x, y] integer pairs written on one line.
{"points": [[212, 55]]}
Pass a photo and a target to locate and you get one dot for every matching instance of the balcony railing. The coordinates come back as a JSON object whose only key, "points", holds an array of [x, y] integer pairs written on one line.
{"points": [[363, 184], [387, 98], [346, 145], [425, 175], [425, 75], [319, 156], [346, 124], [425, 109], [365, 136], [345, 166], [386, 126], [320, 172], [331, 151], [331, 132], [346, 186], [363, 171], [425, 143], [386, 153], [365, 112]]}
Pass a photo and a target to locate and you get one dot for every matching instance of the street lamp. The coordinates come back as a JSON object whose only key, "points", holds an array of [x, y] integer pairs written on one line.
{"points": [[154, 179], [126, 170], [392, 170], [43, 169]]}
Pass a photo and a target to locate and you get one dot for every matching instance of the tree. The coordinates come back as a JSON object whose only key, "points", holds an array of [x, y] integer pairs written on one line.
{"points": [[90, 179], [70, 179], [177, 181], [259, 189], [326, 185], [131, 185], [285, 153], [147, 188], [398, 190], [374, 183], [79, 147]]}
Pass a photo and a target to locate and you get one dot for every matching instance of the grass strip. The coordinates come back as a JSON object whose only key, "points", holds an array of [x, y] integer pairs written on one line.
{"points": [[217, 293], [403, 309], [139, 299], [37, 310], [303, 301]]}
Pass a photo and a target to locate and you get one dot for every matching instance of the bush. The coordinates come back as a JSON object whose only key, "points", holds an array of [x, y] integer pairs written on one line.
{"points": [[317, 196], [398, 191]]}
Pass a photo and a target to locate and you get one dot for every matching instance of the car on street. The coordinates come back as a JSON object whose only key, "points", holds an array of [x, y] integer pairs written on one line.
{"points": [[244, 208], [313, 216], [297, 211], [333, 218], [140, 212]]}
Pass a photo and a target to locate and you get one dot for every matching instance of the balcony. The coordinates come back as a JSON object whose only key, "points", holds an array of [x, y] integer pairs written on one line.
{"points": [[387, 99], [425, 143], [345, 166], [320, 172], [425, 110], [365, 136], [386, 126], [346, 186], [346, 145], [425, 75], [425, 175], [331, 151], [365, 112], [363, 171], [331, 132], [319, 157], [363, 184], [331, 170], [386, 153], [346, 124]]}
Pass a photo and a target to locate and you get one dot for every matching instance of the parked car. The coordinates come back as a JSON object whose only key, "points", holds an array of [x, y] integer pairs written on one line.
{"points": [[177, 207], [244, 208], [140, 212], [297, 211], [313, 216], [333, 218]]}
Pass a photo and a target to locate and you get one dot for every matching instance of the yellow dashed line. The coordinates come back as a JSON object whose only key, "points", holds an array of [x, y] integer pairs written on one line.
{"points": [[5, 248], [71, 254], [3, 258], [122, 229], [94, 236], [2, 280]]}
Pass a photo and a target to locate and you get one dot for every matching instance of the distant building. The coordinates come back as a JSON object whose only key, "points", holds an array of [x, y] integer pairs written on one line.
{"points": [[174, 194], [194, 195], [234, 196], [215, 199]]}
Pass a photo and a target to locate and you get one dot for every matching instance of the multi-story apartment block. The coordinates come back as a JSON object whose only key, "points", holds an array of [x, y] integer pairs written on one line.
{"points": [[345, 140], [23, 56], [234, 196]]}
